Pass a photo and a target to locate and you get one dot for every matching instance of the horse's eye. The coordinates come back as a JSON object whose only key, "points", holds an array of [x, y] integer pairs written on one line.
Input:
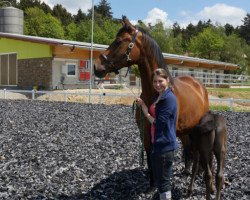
{"points": [[118, 41]]}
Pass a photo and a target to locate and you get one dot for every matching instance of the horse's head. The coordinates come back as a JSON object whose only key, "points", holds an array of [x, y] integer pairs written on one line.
{"points": [[123, 51]]}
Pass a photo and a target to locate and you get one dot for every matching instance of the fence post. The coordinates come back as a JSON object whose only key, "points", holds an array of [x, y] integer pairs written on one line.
{"points": [[33, 94], [65, 97], [101, 97], [231, 104], [4, 93]]}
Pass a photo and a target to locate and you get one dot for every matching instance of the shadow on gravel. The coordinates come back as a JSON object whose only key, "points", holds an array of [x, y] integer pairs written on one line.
{"points": [[123, 185], [126, 184]]}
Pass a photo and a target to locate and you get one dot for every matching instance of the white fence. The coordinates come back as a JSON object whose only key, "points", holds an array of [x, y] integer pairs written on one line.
{"points": [[208, 78], [65, 96]]}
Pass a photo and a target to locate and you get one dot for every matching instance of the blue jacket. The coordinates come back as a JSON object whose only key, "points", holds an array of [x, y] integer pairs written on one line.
{"points": [[165, 123]]}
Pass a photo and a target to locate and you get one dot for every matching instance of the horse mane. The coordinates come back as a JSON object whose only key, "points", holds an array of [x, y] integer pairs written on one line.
{"points": [[154, 50]]}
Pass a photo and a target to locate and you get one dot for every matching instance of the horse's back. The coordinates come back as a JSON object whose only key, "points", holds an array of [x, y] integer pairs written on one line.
{"points": [[192, 98]]}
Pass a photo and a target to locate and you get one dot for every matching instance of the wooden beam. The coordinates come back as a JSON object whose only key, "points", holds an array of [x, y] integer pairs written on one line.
{"points": [[173, 61]]}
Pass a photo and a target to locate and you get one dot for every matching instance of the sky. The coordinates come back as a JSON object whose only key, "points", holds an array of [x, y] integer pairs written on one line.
{"points": [[169, 11]]}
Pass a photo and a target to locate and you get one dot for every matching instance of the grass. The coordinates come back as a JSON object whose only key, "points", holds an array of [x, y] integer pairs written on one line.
{"points": [[227, 108], [225, 93], [236, 93], [219, 107]]}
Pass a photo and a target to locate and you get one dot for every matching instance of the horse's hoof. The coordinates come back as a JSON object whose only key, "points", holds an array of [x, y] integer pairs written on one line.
{"points": [[189, 193], [212, 189]]}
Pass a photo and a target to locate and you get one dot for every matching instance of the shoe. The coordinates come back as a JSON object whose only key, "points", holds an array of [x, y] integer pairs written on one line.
{"points": [[165, 195]]}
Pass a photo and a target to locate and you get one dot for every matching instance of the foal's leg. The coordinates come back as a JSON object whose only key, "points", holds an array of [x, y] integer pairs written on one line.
{"points": [[208, 179], [194, 172], [212, 170], [220, 152], [205, 158]]}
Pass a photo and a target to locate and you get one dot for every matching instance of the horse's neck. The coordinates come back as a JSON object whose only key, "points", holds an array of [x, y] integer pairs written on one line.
{"points": [[146, 82]]}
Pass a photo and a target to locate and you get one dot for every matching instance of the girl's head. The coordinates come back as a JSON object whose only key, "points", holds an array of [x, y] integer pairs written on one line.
{"points": [[160, 80]]}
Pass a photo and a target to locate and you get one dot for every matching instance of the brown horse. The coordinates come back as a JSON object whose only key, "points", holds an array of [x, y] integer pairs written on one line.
{"points": [[209, 137], [133, 46]]}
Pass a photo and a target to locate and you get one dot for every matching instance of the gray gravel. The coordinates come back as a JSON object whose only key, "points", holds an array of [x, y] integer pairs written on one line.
{"points": [[55, 150]]}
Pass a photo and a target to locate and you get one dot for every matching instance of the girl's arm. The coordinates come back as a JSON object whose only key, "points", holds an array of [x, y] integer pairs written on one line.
{"points": [[141, 103]]}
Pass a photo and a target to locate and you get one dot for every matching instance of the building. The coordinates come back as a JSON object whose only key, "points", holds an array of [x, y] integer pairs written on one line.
{"points": [[46, 63]]}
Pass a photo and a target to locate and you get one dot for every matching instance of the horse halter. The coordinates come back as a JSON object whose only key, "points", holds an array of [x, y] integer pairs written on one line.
{"points": [[130, 46], [127, 53]]}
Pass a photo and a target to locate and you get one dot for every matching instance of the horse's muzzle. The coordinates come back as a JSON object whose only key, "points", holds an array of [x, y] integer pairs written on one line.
{"points": [[100, 73]]}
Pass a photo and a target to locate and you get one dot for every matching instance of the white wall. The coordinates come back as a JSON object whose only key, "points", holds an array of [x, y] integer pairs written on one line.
{"points": [[57, 72]]}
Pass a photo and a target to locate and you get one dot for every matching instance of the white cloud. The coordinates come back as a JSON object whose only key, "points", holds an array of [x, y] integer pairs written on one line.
{"points": [[223, 14], [157, 15], [219, 13], [72, 6]]}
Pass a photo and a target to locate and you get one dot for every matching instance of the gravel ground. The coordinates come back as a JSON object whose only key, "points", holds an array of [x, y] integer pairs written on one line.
{"points": [[67, 151]]}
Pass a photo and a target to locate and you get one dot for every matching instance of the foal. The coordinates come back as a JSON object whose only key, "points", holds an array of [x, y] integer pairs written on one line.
{"points": [[209, 137]]}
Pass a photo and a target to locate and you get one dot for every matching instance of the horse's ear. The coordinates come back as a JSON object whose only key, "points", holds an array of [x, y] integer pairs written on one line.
{"points": [[126, 23]]}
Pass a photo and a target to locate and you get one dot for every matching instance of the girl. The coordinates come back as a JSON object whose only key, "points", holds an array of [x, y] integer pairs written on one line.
{"points": [[162, 116]]}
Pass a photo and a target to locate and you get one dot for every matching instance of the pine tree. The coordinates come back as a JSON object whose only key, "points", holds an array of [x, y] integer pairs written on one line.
{"points": [[244, 30]]}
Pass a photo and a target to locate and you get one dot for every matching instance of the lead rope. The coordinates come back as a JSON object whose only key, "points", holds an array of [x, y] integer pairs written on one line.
{"points": [[142, 132]]}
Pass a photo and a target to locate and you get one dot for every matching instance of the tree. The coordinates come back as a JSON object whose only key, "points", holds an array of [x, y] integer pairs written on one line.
{"points": [[187, 34], [46, 8], [234, 51], [175, 44], [38, 23], [12, 2], [200, 27], [83, 33], [71, 31], [79, 16], [104, 9], [110, 28], [207, 44], [161, 36], [143, 26], [229, 29], [24, 4], [176, 29], [244, 29], [62, 14]]}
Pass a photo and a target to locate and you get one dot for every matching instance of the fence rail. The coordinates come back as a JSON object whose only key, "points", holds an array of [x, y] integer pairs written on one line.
{"points": [[99, 97], [209, 78]]}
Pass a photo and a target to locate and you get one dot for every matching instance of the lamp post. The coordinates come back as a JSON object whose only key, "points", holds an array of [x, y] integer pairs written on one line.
{"points": [[91, 53]]}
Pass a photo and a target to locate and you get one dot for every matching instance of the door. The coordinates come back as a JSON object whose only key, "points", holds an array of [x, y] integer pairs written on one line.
{"points": [[8, 69]]}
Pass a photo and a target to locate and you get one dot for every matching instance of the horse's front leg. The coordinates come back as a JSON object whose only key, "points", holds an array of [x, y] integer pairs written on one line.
{"points": [[151, 177], [187, 152]]}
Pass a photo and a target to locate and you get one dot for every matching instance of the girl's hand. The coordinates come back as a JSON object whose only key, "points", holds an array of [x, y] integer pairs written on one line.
{"points": [[140, 102]]}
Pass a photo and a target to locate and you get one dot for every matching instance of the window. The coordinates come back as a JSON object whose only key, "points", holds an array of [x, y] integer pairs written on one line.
{"points": [[71, 70]]}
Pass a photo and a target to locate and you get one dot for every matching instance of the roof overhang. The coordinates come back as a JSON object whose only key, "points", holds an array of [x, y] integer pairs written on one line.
{"points": [[169, 58], [198, 62]]}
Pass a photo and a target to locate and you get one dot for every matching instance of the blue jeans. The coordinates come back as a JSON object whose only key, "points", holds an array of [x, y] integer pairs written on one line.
{"points": [[162, 166]]}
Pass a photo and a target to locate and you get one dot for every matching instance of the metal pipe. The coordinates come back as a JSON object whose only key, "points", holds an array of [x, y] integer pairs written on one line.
{"points": [[91, 52]]}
